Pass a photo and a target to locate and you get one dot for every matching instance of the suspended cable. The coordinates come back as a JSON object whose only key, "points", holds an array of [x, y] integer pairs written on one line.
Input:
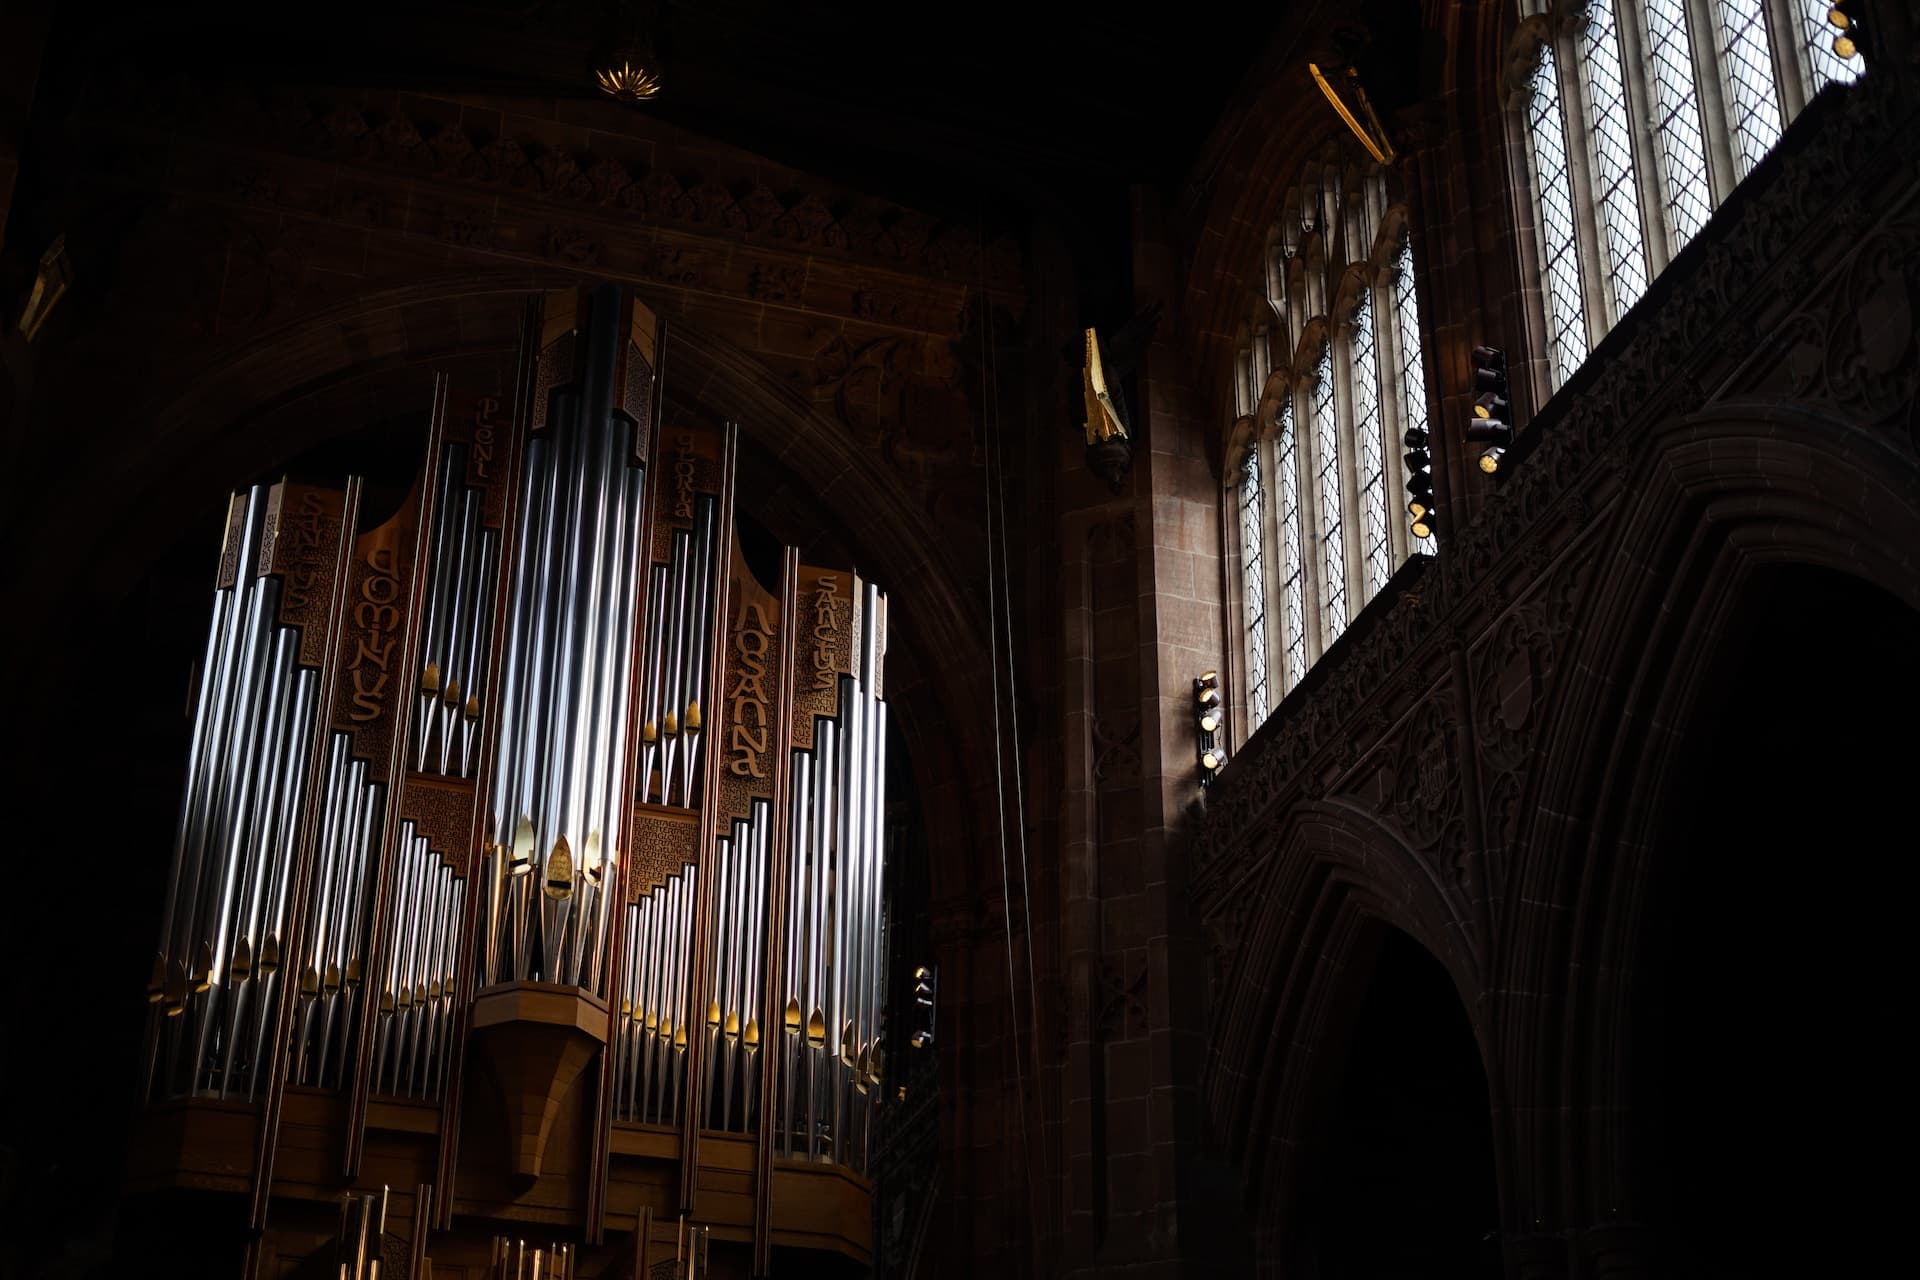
{"points": [[998, 471], [999, 768]]}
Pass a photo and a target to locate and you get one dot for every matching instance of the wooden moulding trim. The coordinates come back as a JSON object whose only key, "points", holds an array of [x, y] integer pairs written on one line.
{"points": [[537, 1038], [545, 1003]]}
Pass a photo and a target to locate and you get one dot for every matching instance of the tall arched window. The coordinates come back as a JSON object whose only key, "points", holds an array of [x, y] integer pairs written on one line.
{"points": [[1328, 381], [1640, 116]]}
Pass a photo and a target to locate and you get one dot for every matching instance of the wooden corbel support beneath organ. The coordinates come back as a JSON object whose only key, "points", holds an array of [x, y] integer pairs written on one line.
{"points": [[536, 1037]]}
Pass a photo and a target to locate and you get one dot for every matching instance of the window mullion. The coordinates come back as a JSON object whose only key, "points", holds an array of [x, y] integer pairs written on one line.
{"points": [[1607, 123], [1306, 472], [1594, 305], [1563, 277], [1788, 40], [1753, 91], [1277, 568], [1330, 533], [1645, 120]]}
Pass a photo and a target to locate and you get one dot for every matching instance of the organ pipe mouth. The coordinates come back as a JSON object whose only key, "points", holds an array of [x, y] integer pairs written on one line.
{"points": [[560, 871], [157, 981], [270, 956], [791, 1018], [816, 1030], [751, 1036]]}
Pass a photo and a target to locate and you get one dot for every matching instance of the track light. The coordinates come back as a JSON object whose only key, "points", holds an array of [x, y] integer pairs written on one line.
{"points": [[1419, 481], [1207, 719], [926, 990], [1492, 422], [1849, 33]]}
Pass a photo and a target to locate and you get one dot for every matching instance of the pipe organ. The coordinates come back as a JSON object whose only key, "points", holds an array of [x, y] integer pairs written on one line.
{"points": [[530, 878]]}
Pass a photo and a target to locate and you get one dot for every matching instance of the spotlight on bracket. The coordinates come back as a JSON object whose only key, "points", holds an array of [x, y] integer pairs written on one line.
{"points": [[1849, 33], [1492, 423], [1419, 462], [926, 990], [1208, 716]]}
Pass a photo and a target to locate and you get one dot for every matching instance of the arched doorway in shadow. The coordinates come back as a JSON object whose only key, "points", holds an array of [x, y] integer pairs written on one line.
{"points": [[1771, 989], [1400, 1179]]}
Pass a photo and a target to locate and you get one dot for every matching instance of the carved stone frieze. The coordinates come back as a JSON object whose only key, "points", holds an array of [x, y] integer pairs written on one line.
{"points": [[450, 149]]}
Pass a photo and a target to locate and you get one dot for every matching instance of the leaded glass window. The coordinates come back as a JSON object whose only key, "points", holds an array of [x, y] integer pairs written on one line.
{"points": [[1650, 130], [1686, 190], [1293, 593], [1375, 539], [1559, 247], [1623, 251], [1312, 515], [1253, 579], [1753, 100], [1326, 447]]}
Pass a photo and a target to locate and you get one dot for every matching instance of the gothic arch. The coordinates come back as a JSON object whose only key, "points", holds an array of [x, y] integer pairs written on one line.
{"points": [[1332, 872], [1720, 495]]}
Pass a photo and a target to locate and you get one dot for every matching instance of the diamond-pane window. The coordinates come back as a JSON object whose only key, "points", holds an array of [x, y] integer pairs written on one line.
{"points": [[1823, 64], [1685, 191], [1326, 440], [1413, 376], [1253, 580], [1559, 247], [1753, 100], [1372, 487], [1293, 601], [1616, 193]]}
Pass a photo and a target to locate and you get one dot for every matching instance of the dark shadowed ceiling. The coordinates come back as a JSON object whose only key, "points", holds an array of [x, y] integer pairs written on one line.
{"points": [[945, 107]]}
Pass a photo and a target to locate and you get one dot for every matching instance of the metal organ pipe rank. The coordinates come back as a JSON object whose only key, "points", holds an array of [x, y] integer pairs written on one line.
{"points": [[540, 763]]}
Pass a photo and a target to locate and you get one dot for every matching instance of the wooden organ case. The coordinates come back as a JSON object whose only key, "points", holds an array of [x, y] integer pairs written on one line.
{"points": [[528, 905]]}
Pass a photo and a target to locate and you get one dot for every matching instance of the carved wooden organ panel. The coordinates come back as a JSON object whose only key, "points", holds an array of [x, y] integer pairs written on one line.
{"points": [[530, 868]]}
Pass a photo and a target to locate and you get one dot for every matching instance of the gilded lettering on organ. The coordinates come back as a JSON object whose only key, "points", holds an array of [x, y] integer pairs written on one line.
{"points": [[301, 531], [825, 630], [747, 699], [375, 611], [683, 465], [483, 437]]}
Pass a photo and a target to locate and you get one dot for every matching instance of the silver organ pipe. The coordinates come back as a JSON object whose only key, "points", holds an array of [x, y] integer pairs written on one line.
{"points": [[559, 805], [218, 973], [542, 735]]}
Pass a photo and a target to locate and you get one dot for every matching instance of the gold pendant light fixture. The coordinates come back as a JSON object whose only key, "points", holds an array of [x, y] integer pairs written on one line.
{"points": [[630, 70]]}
